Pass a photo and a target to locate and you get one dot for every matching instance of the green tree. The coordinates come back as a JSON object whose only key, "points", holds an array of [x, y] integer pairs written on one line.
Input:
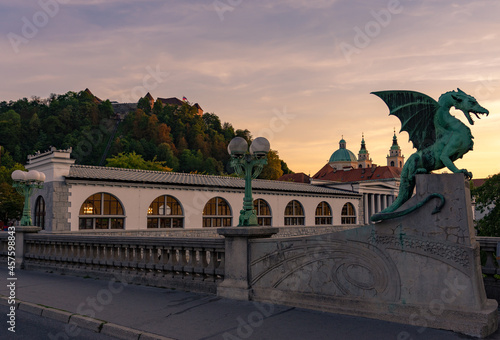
{"points": [[135, 161], [10, 130], [144, 105], [191, 161], [158, 107], [487, 198], [34, 129], [212, 122], [244, 134], [166, 154], [212, 166], [272, 170], [285, 168], [11, 202], [228, 131]]}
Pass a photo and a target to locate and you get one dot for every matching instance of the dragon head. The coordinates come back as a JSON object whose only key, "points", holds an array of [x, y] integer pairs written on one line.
{"points": [[467, 104]]}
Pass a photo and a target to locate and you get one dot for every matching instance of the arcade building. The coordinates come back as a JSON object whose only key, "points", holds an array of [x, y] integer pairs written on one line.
{"points": [[347, 190]]}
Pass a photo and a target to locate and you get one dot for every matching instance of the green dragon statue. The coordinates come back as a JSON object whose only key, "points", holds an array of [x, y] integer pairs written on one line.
{"points": [[440, 139]]}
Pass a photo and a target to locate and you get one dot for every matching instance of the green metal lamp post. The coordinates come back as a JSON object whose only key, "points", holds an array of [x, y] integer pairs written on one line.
{"points": [[248, 165], [25, 183]]}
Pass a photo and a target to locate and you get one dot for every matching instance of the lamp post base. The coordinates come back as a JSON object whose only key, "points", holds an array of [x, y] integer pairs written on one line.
{"points": [[235, 284]]}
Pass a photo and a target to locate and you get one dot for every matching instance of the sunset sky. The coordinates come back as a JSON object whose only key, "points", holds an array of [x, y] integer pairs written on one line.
{"points": [[297, 72]]}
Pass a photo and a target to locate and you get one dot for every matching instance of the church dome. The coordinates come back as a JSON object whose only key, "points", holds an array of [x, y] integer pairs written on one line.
{"points": [[343, 154]]}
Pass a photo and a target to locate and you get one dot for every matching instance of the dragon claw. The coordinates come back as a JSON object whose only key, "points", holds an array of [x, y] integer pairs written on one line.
{"points": [[467, 174]]}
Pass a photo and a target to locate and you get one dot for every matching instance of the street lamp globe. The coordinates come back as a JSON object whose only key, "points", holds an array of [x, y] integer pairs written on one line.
{"points": [[260, 146], [25, 183], [19, 175], [33, 175], [237, 146]]}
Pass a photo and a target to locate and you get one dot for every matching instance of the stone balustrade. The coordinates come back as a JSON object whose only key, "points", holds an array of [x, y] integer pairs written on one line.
{"points": [[285, 231], [490, 267], [189, 263], [184, 263]]}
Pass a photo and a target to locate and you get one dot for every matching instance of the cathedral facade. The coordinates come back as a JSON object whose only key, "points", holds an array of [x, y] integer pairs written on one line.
{"points": [[379, 185]]}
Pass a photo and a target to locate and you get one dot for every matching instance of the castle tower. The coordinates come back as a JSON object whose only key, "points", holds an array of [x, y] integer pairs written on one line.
{"points": [[149, 97], [395, 158], [364, 160]]}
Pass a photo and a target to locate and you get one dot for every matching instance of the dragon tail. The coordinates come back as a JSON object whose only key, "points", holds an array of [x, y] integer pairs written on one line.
{"points": [[405, 188], [385, 216]]}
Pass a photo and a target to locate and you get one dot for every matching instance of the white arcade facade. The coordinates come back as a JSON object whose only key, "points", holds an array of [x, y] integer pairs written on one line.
{"points": [[78, 197]]}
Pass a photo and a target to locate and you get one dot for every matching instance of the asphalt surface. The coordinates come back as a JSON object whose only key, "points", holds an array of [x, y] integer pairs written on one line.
{"points": [[31, 326], [113, 309]]}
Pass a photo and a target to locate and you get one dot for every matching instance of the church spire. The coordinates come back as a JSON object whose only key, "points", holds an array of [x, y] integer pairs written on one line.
{"points": [[364, 160], [395, 158], [395, 145]]}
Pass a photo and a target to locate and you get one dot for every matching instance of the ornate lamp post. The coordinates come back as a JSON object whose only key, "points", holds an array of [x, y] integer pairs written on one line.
{"points": [[25, 183], [244, 161]]}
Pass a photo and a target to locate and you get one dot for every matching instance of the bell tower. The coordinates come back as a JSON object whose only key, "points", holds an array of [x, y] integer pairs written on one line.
{"points": [[394, 158], [364, 160]]}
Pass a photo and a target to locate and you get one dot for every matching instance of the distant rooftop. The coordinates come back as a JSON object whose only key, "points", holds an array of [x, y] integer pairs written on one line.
{"points": [[327, 173]]}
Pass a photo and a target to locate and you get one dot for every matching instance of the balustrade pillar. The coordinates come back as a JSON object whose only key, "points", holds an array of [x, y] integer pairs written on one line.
{"points": [[21, 231], [236, 283]]}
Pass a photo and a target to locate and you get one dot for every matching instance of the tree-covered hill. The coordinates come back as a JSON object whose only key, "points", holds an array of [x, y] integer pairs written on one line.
{"points": [[165, 137]]}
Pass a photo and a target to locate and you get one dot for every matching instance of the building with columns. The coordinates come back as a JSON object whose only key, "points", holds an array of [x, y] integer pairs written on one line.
{"points": [[80, 197], [379, 185]]}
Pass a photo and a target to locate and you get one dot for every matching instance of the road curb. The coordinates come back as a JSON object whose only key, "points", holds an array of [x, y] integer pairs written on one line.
{"points": [[56, 314], [82, 321], [120, 331], [31, 308]]}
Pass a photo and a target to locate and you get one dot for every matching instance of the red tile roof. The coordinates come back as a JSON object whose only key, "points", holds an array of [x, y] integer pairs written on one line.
{"points": [[171, 101], [327, 173], [478, 182]]}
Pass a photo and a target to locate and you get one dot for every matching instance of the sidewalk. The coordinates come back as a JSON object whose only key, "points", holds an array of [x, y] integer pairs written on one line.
{"points": [[127, 311]]}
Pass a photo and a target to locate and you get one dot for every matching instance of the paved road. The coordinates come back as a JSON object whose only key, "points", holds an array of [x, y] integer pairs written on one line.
{"points": [[184, 315], [33, 327]]}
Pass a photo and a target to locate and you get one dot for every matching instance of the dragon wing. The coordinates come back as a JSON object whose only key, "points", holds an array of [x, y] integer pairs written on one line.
{"points": [[416, 112]]}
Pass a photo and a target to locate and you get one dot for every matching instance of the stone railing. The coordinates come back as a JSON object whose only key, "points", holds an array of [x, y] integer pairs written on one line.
{"points": [[285, 231], [490, 268], [190, 264], [184, 263]]}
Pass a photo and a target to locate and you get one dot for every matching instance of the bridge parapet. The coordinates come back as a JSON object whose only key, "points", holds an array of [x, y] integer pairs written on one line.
{"points": [[183, 263]]}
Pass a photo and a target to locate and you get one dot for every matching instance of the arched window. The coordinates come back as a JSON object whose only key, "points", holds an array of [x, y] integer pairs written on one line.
{"points": [[294, 213], [392, 163], [40, 212], [217, 213], [101, 211], [165, 212], [263, 212], [348, 214], [360, 166], [323, 214], [400, 164]]}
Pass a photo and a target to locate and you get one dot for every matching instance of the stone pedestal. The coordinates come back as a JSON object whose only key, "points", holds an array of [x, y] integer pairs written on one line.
{"points": [[421, 269], [236, 274], [21, 244]]}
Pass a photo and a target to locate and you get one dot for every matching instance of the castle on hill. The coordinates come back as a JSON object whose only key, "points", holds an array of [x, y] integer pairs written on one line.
{"points": [[121, 109]]}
